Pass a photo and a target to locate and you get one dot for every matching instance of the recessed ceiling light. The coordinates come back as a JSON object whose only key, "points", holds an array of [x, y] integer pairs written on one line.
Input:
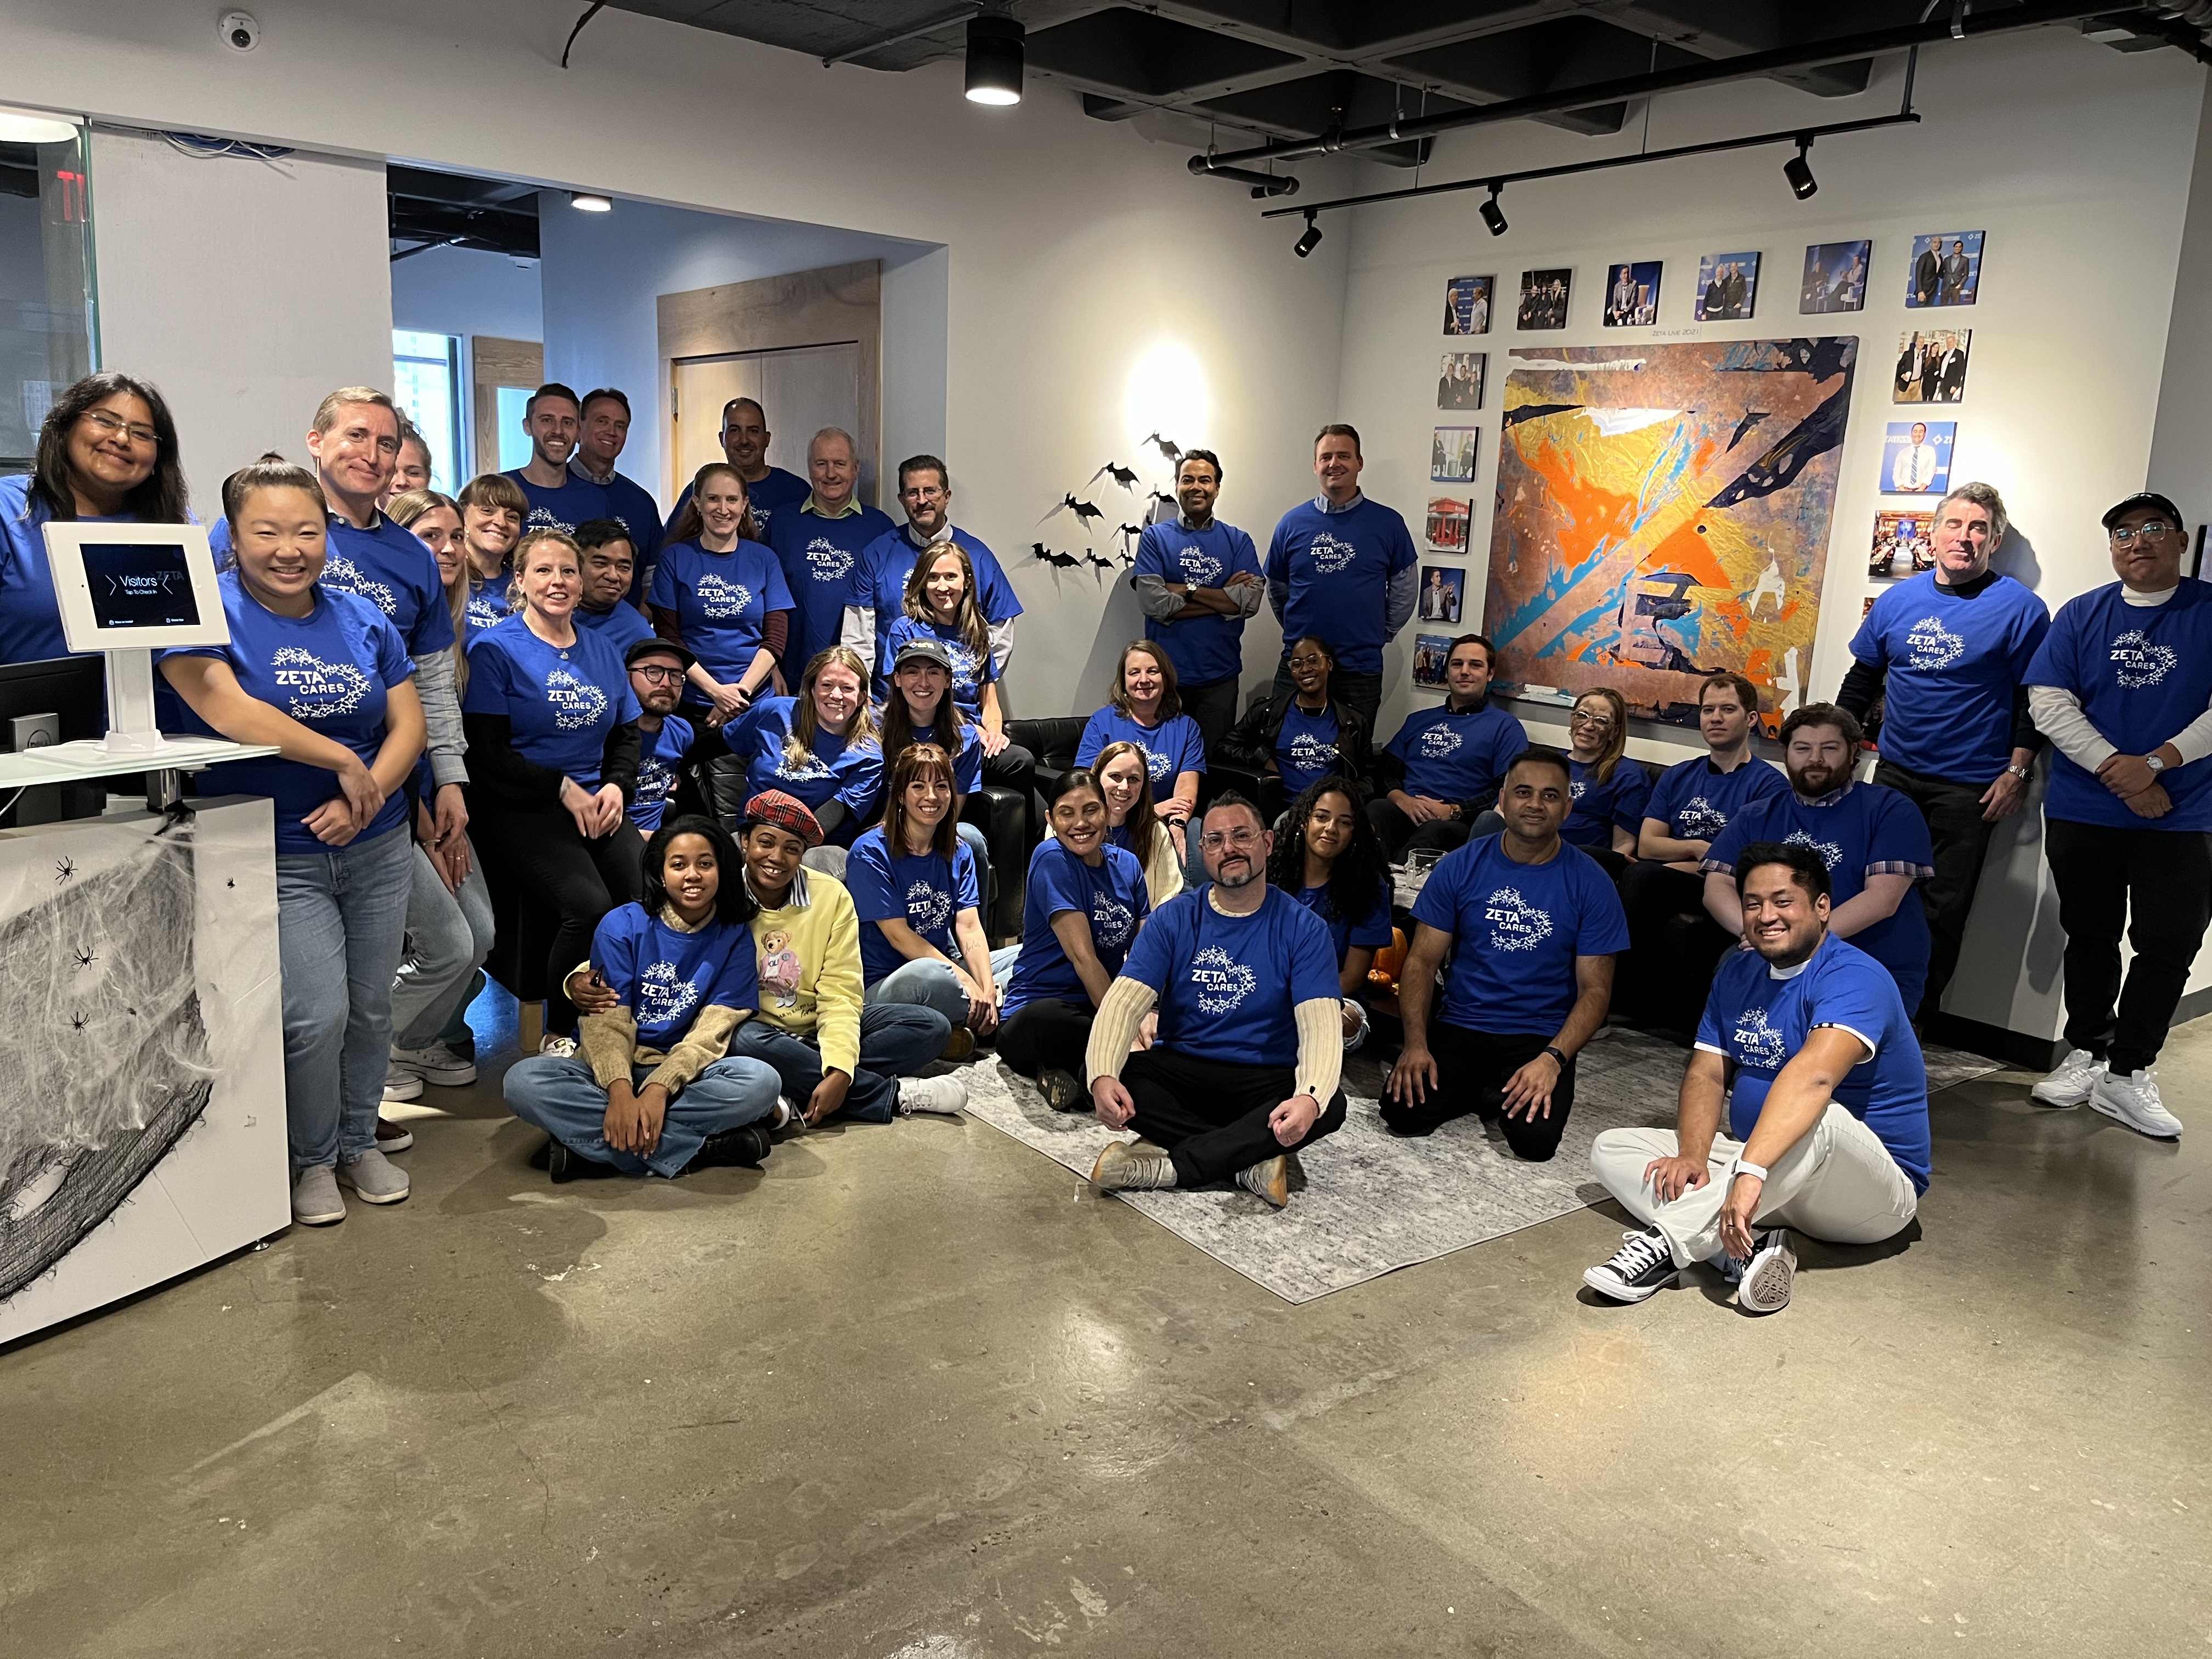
{"points": [[585, 202]]}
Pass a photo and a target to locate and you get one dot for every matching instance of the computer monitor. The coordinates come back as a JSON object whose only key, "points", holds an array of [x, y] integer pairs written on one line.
{"points": [[68, 691], [127, 590]]}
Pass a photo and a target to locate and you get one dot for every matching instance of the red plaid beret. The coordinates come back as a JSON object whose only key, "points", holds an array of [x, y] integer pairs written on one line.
{"points": [[786, 812]]}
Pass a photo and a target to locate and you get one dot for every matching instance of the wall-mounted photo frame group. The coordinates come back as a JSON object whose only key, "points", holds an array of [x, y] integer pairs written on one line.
{"points": [[1916, 457], [1467, 305], [1452, 454], [1460, 381], [1903, 545], [1727, 287], [1931, 366], [1431, 653], [1946, 270], [1632, 295], [1544, 297], [1835, 278], [1449, 518]]}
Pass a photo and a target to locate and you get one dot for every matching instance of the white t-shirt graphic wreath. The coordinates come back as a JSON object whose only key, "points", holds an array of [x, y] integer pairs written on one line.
{"points": [[663, 999], [806, 769], [1111, 920], [927, 909], [1200, 567], [1438, 741], [1222, 982], [343, 574], [1515, 924], [1700, 820], [577, 703], [1330, 553], [2138, 662], [722, 598], [1757, 1042], [826, 562], [315, 690], [1310, 754], [1830, 853], [1931, 646]]}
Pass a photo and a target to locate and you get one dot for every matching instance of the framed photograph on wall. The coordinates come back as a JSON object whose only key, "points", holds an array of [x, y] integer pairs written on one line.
{"points": [[1632, 295], [1727, 287], [1903, 545], [1448, 524], [1931, 366], [1460, 381], [1467, 305], [1431, 653], [1946, 270], [1544, 295], [1444, 587], [1916, 457], [1835, 278], [1452, 454]]}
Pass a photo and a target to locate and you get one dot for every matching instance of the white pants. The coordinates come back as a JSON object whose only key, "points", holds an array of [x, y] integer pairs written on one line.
{"points": [[1838, 1184]]}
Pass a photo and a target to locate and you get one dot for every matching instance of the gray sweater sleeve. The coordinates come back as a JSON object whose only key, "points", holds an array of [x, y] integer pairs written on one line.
{"points": [[442, 714], [1399, 598], [1153, 597]]}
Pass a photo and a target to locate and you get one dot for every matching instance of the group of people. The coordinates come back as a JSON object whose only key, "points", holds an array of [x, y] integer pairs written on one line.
{"points": [[738, 818]]}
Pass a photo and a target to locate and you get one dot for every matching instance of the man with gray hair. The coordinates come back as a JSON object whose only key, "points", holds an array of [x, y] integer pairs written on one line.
{"points": [[1947, 651], [820, 545]]}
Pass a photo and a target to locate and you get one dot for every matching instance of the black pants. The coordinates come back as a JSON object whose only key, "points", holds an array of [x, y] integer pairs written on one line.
{"points": [[1674, 946], [1961, 840], [1361, 691], [1399, 835], [1212, 1114], [1473, 1068], [578, 880], [2156, 883], [1213, 707], [1048, 1036]]}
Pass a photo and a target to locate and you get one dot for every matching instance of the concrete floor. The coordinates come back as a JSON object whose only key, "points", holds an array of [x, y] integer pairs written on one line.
{"points": [[910, 1391]]}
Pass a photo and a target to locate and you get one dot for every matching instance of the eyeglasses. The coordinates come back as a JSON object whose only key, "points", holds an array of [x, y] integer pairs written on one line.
{"points": [[924, 493], [656, 673], [108, 425], [1310, 661], [1214, 840], [2129, 537], [1603, 722]]}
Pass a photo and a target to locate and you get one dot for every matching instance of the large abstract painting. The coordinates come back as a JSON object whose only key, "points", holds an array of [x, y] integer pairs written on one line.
{"points": [[1664, 514]]}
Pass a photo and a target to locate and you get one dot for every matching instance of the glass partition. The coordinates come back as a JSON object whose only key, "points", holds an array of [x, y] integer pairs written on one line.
{"points": [[49, 335]]}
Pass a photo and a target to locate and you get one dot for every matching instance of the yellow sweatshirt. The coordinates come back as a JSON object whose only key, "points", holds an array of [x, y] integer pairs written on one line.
{"points": [[810, 969]]}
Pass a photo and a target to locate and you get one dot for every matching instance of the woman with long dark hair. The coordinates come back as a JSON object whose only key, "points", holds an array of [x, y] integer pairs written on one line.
{"points": [[1330, 859], [654, 1090], [1295, 740], [106, 452]]}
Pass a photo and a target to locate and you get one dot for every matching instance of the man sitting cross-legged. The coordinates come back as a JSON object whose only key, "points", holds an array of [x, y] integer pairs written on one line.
{"points": [[1827, 1110], [1243, 974]]}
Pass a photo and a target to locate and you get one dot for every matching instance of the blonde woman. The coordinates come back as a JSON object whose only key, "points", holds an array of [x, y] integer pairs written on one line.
{"points": [[1609, 789], [1125, 781], [820, 747]]}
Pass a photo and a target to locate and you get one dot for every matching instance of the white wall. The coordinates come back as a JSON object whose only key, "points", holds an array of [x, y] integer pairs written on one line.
{"points": [[245, 290]]}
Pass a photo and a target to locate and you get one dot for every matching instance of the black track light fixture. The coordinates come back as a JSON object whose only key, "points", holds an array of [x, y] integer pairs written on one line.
{"points": [[1493, 215], [1799, 170], [1307, 243], [994, 59]]}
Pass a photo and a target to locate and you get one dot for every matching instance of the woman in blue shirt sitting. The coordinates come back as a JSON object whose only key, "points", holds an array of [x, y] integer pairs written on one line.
{"points": [[919, 708], [1329, 858], [1144, 709], [1294, 740], [916, 890], [322, 677], [107, 450], [553, 754], [1609, 789], [819, 746], [655, 1089]]}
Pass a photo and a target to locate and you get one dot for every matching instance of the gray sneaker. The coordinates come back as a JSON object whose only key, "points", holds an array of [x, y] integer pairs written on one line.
{"points": [[436, 1064], [315, 1200], [1121, 1168], [374, 1178]]}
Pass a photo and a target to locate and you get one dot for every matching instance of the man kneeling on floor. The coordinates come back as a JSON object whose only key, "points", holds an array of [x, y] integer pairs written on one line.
{"points": [[1242, 973], [1827, 1113]]}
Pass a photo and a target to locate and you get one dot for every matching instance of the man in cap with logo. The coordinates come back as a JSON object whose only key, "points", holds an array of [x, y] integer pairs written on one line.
{"points": [[2121, 688], [1946, 651], [1827, 1114], [1441, 771], [1538, 923], [1872, 839], [820, 543], [656, 668], [1242, 974]]}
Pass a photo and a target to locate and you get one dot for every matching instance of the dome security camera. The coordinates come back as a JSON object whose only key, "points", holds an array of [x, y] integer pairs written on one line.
{"points": [[238, 30]]}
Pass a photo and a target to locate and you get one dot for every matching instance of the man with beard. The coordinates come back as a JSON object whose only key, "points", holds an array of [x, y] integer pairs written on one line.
{"points": [[1827, 1116], [1871, 838], [1242, 973], [1197, 579], [1539, 923], [820, 543], [599, 445], [559, 499], [656, 668], [609, 564]]}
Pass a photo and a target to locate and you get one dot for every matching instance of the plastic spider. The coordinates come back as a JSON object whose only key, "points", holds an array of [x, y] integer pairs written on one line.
{"points": [[78, 1022], [63, 869], [85, 958]]}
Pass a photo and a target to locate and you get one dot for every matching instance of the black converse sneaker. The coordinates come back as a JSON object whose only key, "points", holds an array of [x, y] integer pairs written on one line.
{"points": [[1643, 1265], [1773, 1270]]}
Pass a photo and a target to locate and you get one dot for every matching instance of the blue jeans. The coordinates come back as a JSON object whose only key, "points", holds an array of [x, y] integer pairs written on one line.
{"points": [[341, 922], [931, 982], [448, 937], [897, 1039], [560, 1094]]}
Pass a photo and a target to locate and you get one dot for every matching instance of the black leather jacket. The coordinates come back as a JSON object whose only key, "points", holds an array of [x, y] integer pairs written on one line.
{"points": [[1251, 745]]}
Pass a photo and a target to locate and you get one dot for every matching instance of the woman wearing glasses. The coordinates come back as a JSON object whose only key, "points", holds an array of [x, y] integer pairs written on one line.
{"points": [[1609, 789], [107, 451]]}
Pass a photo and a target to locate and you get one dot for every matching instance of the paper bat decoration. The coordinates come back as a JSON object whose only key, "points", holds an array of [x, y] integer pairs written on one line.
{"points": [[1162, 495], [1084, 511], [1128, 532], [1103, 564], [1064, 560], [1120, 475], [1167, 446]]}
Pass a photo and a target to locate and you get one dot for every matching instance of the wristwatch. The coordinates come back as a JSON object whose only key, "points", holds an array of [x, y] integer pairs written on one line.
{"points": [[1745, 1166], [2023, 773], [1551, 1050], [2155, 764]]}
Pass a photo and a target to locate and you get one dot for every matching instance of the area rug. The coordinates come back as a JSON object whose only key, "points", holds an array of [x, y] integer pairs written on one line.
{"points": [[1367, 1202]]}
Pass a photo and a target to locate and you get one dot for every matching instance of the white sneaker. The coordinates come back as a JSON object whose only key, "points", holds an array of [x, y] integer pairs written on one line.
{"points": [[2134, 1100], [560, 1046], [400, 1083], [789, 1114], [943, 1095], [2071, 1084], [1773, 1271], [436, 1064]]}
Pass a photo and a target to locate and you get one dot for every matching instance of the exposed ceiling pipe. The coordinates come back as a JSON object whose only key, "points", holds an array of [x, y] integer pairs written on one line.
{"points": [[2035, 14], [943, 22]]}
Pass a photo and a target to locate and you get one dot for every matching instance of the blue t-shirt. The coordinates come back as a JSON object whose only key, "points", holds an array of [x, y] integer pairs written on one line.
{"points": [[1760, 1021], [1695, 799], [971, 670], [1113, 896], [1204, 649], [1517, 929], [721, 602], [2141, 672], [926, 893], [967, 764], [1953, 666], [619, 625], [659, 755], [1369, 932], [391, 567], [879, 582], [1171, 748], [1338, 566], [1457, 756], [572, 501], [1228, 985], [631, 503], [666, 976], [561, 703], [1868, 830], [778, 490], [491, 603], [819, 556], [1305, 749], [1601, 807], [329, 670], [832, 769], [30, 617]]}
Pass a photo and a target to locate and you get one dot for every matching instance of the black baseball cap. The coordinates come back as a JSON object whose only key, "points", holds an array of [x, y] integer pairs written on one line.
{"points": [[2136, 502], [657, 646], [922, 648]]}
